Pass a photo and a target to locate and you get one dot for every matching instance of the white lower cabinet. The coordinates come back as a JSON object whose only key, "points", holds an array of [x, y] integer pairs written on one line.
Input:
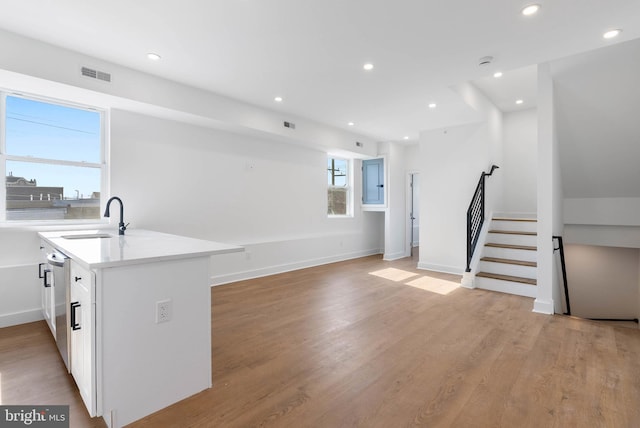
{"points": [[138, 317], [45, 274], [82, 334]]}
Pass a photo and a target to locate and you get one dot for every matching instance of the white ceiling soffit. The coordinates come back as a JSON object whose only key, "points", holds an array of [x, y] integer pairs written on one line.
{"points": [[511, 86], [597, 121], [311, 53]]}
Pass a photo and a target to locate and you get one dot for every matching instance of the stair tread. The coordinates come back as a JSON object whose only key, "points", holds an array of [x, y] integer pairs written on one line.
{"points": [[510, 246], [510, 278], [514, 219], [509, 261], [513, 232]]}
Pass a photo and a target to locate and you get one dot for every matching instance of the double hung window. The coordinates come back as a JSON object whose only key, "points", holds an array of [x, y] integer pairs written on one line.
{"points": [[52, 155], [339, 187]]}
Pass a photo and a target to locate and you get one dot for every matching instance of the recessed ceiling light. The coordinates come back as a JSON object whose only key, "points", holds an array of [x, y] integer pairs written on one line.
{"points": [[432, 105], [532, 9], [350, 123], [153, 56], [612, 34], [406, 137], [368, 66], [278, 99], [497, 74], [519, 101]]}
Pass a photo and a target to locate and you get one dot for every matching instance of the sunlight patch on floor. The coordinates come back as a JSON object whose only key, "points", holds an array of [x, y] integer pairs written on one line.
{"points": [[393, 274], [435, 285], [427, 283]]}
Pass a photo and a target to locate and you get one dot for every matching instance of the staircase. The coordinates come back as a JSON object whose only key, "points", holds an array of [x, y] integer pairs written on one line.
{"points": [[508, 259]]}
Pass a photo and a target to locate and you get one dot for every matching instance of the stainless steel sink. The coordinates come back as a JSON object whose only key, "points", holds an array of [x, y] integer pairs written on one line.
{"points": [[87, 236]]}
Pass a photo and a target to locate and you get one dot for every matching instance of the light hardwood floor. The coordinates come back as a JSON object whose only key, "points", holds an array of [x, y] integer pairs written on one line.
{"points": [[375, 344]]}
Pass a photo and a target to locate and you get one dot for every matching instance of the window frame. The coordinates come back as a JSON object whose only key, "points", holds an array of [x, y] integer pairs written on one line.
{"points": [[102, 165], [348, 186]]}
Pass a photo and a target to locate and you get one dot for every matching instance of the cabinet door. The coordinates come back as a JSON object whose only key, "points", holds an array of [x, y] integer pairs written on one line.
{"points": [[46, 285], [373, 181], [82, 340]]}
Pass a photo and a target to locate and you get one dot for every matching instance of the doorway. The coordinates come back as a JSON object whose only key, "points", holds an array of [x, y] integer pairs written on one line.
{"points": [[413, 213]]}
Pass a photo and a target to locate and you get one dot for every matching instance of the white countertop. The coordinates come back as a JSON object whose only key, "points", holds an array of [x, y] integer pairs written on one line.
{"points": [[135, 247]]}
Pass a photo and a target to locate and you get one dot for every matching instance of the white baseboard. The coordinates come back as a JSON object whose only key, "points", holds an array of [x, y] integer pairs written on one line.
{"points": [[394, 256], [441, 268], [273, 270], [543, 306], [7, 320], [468, 280]]}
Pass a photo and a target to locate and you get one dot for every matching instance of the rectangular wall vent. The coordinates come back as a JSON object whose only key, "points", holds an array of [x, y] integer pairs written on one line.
{"points": [[95, 74], [290, 125]]}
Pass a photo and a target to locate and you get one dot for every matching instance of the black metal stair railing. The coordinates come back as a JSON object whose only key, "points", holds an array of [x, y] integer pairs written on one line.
{"points": [[475, 215], [564, 273]]}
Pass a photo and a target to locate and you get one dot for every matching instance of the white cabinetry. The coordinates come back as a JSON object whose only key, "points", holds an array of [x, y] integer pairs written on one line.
{"points": [[82, 335], [46, 285], [127, 360]]}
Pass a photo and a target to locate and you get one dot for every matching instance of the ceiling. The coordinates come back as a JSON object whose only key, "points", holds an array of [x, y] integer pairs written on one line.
{"points": [[311, 53], [512, 86]]}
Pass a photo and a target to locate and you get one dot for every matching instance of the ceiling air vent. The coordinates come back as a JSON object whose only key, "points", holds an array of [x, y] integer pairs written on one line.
{"points": [[95, 74]]}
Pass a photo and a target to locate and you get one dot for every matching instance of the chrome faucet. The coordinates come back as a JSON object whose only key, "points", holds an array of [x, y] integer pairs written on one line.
{"points": [[121, 226]]}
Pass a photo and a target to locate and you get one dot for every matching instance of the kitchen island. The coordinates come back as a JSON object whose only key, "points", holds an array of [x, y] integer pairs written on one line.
{"points": [[139, 318]]}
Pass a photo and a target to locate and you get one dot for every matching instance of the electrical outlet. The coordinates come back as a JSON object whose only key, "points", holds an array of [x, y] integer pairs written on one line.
{"points": [[163, 311]]}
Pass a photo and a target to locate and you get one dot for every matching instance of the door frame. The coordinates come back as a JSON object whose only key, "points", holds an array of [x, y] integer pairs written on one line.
{"points": [[408, 211]]}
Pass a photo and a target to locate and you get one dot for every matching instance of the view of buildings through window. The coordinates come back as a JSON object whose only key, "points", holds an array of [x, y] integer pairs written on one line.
{"points": [[53, 160], [339, 190]]}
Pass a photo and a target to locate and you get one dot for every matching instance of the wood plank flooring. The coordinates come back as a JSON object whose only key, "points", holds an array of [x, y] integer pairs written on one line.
{"points": [[370, 343], [32, 373]]}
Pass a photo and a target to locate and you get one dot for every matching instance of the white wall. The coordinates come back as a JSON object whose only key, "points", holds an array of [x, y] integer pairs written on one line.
{"points": [[519, 167], [267, 195], [613, 222], [603, 281], [602, 211], [395, 212], [549, 202], [20, 287], [451, 161], [411, 157]]}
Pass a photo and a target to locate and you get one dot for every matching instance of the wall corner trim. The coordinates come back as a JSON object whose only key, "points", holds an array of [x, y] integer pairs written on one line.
{"points": [[543, 306], [393, 256]]}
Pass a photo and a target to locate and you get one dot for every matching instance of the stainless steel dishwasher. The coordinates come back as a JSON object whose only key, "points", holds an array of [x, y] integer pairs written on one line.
{"points": [[60, 266]]}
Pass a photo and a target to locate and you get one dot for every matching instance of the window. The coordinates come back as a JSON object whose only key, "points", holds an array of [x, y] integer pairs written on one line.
{"points": [[339, 186], [52, 155]]}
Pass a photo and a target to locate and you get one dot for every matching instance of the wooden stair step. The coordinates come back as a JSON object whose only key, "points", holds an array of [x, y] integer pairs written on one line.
{"points": [[514, 232], [512, 247], [509, 261], [510, 278], [514, 219]]}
